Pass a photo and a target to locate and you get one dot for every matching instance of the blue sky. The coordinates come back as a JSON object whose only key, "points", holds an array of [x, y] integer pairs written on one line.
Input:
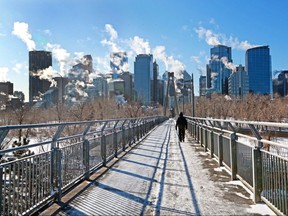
{"points": [[179, 33]]}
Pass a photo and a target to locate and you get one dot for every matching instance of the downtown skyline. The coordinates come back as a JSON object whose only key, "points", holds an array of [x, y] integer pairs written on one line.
{"points": [[179, 34]]}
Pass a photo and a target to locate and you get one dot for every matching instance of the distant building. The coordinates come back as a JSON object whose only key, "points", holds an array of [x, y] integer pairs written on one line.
{"points": [[143, 74], [51, 96], [217, 72], [258, 66], [202, 85], [160, 92], [6, 88], [101, 85], [280, 84], [238, 82], [38, 61], [61, 82], [87, 61], [92, 92], [128, 85], [154, 87]]}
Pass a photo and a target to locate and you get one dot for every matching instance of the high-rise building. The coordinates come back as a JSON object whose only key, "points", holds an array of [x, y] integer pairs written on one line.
{"points": [[280, 83], [258, 66], [101, 85], [61, 82], [118, 63], [128, 85], [238, 82], [160, 92], [143, 74], [202, 85], [155, 82], [217, 72], [38, 61], [87, 61], [6, 88]]}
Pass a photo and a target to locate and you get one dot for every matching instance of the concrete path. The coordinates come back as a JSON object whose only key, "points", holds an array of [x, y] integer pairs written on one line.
{"points": [[160, 176]]}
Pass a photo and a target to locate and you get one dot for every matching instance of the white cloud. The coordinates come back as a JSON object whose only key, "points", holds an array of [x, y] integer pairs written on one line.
{"points": [[21, 30], [3, 74], [214, 39]]}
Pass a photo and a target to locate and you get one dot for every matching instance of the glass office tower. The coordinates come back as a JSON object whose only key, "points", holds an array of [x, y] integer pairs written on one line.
{"points": [[38, 60], [258, 66], [143, 74], [217, 73]]}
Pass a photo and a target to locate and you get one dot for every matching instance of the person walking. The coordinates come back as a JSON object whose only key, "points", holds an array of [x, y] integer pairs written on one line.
{"points": [[181, 123]]}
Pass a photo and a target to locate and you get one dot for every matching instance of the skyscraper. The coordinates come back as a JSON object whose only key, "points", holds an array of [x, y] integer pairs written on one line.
{"points": [[258, 66], [217, 72], [155, 82], [128, 81], [202, 85], [238, 82], [38, 61], [143, 74]]}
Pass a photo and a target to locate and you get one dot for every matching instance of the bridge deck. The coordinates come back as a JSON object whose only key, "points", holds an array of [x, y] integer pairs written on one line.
{"points": [[160, 176]]}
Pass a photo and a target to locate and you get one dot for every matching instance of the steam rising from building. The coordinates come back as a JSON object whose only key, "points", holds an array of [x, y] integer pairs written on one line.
{"points": [[3, 74], [21, 31]]}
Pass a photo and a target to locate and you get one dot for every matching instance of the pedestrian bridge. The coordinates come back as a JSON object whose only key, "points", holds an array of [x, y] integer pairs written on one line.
{"points": [[139, 167]]}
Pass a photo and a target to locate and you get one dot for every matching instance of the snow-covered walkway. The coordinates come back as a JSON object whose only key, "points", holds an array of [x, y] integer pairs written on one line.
{"points": [[161, 176]]}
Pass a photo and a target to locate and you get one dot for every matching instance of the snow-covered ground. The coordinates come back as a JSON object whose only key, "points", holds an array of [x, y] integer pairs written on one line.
{"points": [[161, 176]]}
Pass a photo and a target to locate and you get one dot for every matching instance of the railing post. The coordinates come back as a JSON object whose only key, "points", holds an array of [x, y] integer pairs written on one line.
{"points": [[212, 143], [103, 149], [123, 139], [133, 132], [220, 149], [138, 131], [1, 189], [233, 155], [257, 174], [200, 134], [205, 139], [86, 157], [197, 133], [115, 144], [129, 134], [58, 166]]}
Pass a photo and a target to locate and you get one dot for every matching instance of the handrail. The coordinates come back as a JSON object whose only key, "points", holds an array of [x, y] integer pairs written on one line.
{"points": [[71, 157]]}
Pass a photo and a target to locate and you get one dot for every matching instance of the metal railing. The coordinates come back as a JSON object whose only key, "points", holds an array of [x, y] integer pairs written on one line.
{"points": [[252, 152], [51, 158]]}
